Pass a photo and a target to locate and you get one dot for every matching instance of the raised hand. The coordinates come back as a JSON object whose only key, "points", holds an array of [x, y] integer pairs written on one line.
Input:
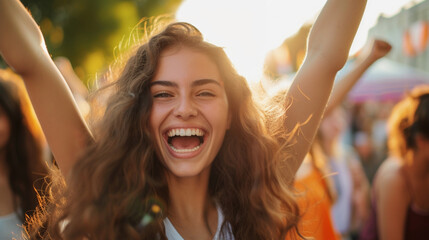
{"points": [[377, 49], [22, 47]]}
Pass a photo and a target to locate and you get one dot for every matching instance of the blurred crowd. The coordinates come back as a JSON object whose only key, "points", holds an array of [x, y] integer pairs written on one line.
{"points": [[359, 179]]}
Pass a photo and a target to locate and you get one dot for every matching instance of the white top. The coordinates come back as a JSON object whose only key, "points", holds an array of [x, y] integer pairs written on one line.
{"points": [[172, 233], [10, 227]]}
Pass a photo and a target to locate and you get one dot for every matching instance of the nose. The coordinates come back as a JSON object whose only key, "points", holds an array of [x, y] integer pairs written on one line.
{"points": [[185, 108]]}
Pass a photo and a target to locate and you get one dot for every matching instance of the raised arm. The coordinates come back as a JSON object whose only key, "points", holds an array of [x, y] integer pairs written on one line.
{"points": [[327, 51], [23, 48], [374, 50]]}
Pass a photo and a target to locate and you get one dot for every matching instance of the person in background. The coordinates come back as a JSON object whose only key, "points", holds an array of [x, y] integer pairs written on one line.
{"points": [[400, 196], [335, 169], [352, 188], [22, 157], [328, 177]]}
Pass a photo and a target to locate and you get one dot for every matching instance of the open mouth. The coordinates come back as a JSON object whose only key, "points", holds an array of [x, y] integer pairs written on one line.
{"points": [[185, 140]]}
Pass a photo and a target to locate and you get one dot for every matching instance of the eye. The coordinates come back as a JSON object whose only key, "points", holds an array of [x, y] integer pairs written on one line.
{"points": [[206, 94], [162, 95]]}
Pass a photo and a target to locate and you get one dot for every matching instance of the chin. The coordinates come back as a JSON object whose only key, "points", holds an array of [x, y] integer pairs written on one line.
{"points": [[187, 170]]}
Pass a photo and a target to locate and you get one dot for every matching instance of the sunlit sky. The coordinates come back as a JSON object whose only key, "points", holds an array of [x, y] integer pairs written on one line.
{"points": [[248, 29]]}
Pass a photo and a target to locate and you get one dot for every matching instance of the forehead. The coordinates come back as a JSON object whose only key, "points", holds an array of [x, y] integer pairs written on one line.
{"points": [[184, 63]]}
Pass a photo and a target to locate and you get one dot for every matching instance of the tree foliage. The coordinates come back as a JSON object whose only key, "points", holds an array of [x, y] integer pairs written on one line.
{"points": [[87, 31]]}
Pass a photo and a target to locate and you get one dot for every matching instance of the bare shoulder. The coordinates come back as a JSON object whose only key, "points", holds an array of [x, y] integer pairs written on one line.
{"points": [[392, 199], [389, 176]]}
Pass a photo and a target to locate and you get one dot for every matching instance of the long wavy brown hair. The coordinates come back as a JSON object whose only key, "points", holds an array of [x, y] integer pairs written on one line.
{"points": [[24, 150], [274, 109], [408, 118], [118, 190]]}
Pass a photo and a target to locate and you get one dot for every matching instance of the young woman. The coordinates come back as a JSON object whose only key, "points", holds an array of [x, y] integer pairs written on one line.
{"points": [[400, 200], [352, 187], [22, 165], [181, 129]]}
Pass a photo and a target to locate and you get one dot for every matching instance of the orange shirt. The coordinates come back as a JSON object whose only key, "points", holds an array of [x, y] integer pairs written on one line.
{"points": [[315, 207]]}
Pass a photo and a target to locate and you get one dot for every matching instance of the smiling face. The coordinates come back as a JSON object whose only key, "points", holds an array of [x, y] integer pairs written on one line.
{"points": [[190, 115]]}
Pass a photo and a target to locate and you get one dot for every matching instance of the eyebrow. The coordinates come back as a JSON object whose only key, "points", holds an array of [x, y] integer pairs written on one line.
{"points": [[196, 83]]}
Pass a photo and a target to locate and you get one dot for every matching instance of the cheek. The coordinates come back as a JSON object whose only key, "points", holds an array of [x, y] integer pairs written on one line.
{"points": [[154, 125], [157, 114], [152, 121], [219, 114]]}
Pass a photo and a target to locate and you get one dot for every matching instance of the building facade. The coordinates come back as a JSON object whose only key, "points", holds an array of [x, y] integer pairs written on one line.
{"points": [[408, 32]]}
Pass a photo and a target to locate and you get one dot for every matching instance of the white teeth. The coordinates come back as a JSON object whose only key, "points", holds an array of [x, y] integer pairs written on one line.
{"points": [[185, 132], [184, 150]]}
